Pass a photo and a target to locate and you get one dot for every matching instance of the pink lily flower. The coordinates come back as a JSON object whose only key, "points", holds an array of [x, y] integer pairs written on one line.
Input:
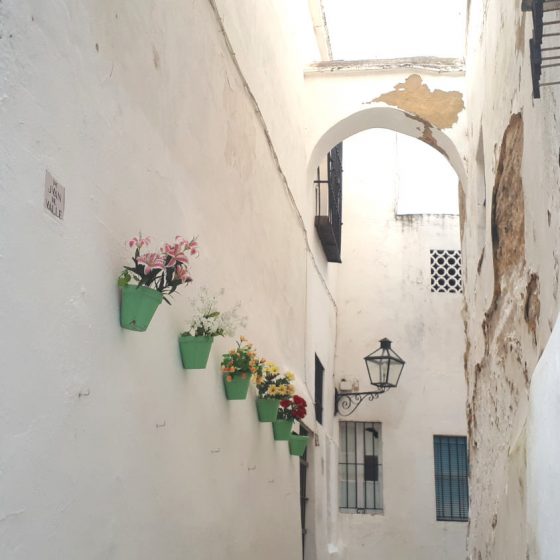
{"points": [[151, 261], [193, 247], [182, 274], [139, 241], [176, 254]]}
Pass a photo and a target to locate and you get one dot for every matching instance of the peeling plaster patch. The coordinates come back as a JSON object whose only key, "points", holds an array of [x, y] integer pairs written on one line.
{"points": [[556, 277], [462, 209], [480, 261], [508, 208], [532, 305], [428, 138], [520, 35], [440, 108]]}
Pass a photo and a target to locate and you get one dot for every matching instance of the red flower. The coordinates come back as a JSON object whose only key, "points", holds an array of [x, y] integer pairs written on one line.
{"points": [[285, 403], [299, 401]]}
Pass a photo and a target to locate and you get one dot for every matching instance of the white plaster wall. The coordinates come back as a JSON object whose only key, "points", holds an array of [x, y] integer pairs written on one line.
{"points": [[503, 351], [342, 103], [139, 111], [384, 291], [543, 454]]}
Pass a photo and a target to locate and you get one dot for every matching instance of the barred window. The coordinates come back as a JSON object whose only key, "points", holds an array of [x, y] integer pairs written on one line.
{"points": [[360, 467], [451, 478], [445, 267]]}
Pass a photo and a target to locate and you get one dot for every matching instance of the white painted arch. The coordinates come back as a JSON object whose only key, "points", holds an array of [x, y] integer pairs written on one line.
{"points": [[391, 118]]}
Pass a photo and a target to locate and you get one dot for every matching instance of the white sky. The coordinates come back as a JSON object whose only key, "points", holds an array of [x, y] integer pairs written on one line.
{"points": [[365, 29], [426, 182]]}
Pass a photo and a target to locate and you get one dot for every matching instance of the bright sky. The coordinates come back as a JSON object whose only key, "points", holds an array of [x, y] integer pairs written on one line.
{"points": [[366, 29], [426, 182]]}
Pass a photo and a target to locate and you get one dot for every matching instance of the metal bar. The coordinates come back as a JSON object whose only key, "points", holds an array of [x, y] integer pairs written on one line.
{"points": [[346, 459], [376, 482], [550, 48], [550, 66], [551, 58], [355, 464], [449, 478], [436, 474], [458, 478], [551, 34], [549, 84], [364, 458], [554, 22]]}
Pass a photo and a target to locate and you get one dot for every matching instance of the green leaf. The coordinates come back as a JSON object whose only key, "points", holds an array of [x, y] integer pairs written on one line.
{"points": [[124, 279]]}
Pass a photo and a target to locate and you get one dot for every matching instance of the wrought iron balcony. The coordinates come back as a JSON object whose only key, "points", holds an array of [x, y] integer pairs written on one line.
{"points": [[328, 204], [544, 46]]}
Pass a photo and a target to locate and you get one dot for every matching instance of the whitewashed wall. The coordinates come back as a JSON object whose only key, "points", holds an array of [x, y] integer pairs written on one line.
{"points": [[109, 448], [543, 454], [384, 291], [507, 334]]}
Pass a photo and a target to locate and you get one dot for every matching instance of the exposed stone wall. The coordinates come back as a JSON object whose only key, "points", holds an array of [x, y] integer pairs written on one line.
{"points": [[510, 247]]}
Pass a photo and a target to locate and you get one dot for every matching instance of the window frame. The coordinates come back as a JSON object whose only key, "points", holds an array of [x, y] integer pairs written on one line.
{"points": [[353, 486], [451, 489]]}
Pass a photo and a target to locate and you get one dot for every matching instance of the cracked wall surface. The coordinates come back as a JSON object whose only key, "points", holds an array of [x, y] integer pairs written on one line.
{"points": [[510, 245]]}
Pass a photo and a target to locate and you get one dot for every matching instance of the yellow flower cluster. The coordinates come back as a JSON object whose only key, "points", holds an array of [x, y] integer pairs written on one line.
{"points": [[271, 369], [280, 391]]}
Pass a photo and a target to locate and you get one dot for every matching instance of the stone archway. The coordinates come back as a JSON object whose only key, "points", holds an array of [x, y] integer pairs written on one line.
{"points": [[381, 116]]}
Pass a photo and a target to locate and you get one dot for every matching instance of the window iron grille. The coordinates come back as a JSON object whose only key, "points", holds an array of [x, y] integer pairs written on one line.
{"points": [[451, 478], [445, 265], [360, 467], [544, 46], [328, 205]]}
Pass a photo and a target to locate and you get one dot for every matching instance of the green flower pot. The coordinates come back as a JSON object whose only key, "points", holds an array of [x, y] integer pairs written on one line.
{"points": [[267, 409], [298, 444], [236, 389], [195, 351], [282, 429], [138, 305]]}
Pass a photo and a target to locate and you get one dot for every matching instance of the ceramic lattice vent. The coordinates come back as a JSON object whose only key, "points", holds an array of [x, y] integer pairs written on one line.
{"points": [[446, 271]]}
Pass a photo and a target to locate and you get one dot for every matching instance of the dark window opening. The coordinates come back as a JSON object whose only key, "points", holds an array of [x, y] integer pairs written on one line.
{"points": [[451, 478], [319, 375], [360, 467], [328, 204]]}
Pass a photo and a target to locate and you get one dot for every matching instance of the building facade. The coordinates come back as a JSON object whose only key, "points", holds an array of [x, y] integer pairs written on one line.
{"points": [[211, 120]]}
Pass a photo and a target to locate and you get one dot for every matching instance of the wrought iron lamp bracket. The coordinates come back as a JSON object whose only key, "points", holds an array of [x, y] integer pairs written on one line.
{"points": [[346, 403]]}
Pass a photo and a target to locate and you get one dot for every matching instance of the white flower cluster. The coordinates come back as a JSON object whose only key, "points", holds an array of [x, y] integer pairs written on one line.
{"points": [[208, 321]]}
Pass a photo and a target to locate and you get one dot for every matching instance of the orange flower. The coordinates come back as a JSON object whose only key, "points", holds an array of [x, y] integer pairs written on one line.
{"points": [[229, 378]]}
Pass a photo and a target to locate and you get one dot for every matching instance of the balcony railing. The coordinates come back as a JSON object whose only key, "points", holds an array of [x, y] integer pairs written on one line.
{"points": [[544, 46], [328, 204]]}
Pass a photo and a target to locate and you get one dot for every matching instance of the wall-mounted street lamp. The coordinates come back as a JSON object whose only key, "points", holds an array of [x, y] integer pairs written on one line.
{"points": [[384, 367]]}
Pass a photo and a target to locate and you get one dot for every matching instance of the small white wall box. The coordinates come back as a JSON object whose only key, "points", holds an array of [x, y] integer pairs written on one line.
{"points": [[345, 385]]}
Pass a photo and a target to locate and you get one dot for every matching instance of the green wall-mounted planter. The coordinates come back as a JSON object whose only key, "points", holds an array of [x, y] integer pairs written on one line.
{"points": [[298, 444], [195, 351], [282, 429], [138, 305], [267, 409], [236, 389]]}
